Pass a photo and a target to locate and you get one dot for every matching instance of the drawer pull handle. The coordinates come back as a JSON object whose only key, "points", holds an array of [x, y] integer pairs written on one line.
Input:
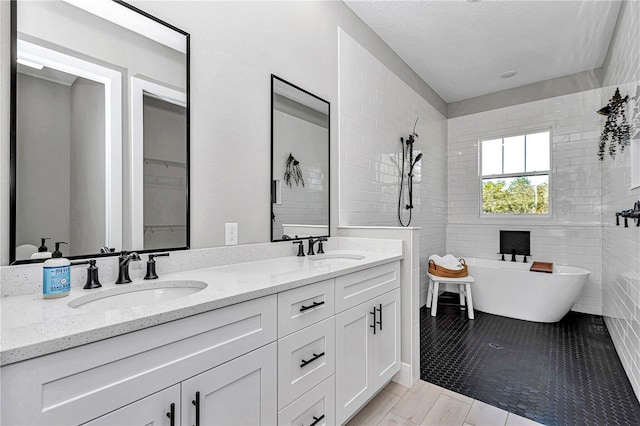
{"points": [[196, 402], [317, 420], [304, 308], [380, 321], [374, 320], [304, 362], [172, 414]]}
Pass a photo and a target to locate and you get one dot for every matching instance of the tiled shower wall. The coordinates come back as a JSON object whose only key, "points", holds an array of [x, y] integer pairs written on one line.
{"points": [[621, 246], [376, 108], [572, 233]]}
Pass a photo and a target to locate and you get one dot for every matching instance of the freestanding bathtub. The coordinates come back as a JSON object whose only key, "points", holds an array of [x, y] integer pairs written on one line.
{"points": [[511, 290]]}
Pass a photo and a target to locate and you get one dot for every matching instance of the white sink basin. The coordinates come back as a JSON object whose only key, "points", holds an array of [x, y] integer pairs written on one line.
{"points": [[336, 256], [138, 295]]}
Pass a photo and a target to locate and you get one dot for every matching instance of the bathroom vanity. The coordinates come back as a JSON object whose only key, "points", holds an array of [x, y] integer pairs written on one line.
{"points": [[279, 341]]}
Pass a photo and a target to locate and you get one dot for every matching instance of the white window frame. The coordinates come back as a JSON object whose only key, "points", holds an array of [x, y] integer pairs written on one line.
{"points": [[481, 212]]}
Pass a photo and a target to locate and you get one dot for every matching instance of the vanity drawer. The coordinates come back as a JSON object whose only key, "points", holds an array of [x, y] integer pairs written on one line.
{"points": [[354, 289], [316, 407], [305, 358], [301, 307], [80, 384]]}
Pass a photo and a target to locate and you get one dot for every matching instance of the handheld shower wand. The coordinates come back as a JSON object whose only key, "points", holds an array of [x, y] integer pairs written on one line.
{"points": [[418, 158], [407, 151]]}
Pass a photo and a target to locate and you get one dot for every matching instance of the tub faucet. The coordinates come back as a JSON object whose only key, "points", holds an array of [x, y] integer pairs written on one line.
{"points": [[123, 266]]}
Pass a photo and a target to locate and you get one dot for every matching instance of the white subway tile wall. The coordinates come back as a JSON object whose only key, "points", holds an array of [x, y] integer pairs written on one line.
{"points": [[376, 108], [621, 246], [572, 233]]}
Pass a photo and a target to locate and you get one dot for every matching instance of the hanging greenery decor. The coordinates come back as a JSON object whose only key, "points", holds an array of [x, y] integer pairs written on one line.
{"points": [[616, 129], [292, 170]]}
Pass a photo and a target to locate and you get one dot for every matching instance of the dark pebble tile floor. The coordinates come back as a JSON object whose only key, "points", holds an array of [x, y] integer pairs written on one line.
{"points": [[565, 373]]}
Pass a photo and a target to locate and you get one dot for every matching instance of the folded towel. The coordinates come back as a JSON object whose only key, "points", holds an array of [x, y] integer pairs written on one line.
{"points": [[448, 261]]}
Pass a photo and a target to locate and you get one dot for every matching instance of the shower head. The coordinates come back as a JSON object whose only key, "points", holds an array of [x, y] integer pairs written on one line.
{"points": [[415, 161]]}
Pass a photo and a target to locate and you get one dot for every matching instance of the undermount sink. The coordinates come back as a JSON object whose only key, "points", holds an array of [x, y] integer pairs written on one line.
{"points": [[138, 295], [336, 256]]}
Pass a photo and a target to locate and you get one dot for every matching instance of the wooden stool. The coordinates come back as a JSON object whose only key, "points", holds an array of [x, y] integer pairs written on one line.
{"points": [[464, 286]]}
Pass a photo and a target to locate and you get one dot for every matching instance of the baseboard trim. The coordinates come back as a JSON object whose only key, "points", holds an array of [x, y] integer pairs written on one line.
{"points": [[404, 376]]}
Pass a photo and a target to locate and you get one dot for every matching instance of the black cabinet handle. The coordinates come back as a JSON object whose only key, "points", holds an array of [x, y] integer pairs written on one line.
{"points": [[303, 363], [304, 308], [172, 415], [196, 402], [317, 420], [374, 320], [380, 321]]}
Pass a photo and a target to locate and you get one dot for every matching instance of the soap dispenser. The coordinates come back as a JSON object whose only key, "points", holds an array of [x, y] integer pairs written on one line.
{"points": [[43, 252], [56, 275]]}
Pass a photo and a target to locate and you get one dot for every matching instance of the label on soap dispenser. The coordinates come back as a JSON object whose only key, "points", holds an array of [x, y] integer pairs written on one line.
{"points": [[57, 279]]}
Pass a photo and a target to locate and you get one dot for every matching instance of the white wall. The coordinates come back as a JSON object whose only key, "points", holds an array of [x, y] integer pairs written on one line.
{"points": [[572, 234], [43, 161], [621, 246], [86, 185], [235, 47], [376, 109]]}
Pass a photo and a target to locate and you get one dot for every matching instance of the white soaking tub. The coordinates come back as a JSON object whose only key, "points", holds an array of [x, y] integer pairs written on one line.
{"points": [[509, 289]]}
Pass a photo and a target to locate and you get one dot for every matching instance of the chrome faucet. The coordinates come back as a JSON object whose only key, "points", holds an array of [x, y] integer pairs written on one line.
{"points": [[123, 264]]}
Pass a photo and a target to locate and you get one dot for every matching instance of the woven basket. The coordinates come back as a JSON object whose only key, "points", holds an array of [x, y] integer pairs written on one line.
{"points": [[439, 271]]}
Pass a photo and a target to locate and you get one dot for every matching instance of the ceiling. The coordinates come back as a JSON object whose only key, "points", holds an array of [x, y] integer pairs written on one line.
{"points": [[460, 48]]}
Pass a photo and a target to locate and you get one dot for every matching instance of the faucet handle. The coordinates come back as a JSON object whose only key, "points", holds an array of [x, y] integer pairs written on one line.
{"points": [[151, 266], [320, 246], [92, 273], [300, 248], [92, 276]]}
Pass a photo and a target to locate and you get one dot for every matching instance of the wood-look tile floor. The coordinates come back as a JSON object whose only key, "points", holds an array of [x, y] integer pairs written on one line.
{"points": [[427, 404]]}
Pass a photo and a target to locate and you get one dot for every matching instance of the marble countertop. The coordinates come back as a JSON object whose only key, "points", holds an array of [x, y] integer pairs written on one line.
{"points": [[32, 326]]}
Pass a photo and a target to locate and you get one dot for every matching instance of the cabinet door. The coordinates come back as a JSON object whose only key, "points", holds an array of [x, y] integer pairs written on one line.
{"points": [[353, 332], [385, 345], [154, 410], [240, 392]]}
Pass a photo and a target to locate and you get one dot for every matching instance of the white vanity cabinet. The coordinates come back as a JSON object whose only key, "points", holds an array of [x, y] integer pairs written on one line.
{"points": [[335, 338], [367, 339], [81, 384], [311, 356]]}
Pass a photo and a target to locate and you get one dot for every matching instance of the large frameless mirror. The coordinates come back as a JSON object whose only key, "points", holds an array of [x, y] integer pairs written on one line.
{"points": [[99, 129], [299, 162]]}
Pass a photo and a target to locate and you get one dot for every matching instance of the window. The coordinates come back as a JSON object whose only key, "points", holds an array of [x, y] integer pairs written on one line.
{"points": [[514, 172]]}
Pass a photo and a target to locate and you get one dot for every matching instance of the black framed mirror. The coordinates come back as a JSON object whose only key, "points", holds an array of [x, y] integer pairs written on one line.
{"points": [[99, 129], [300, 148]]}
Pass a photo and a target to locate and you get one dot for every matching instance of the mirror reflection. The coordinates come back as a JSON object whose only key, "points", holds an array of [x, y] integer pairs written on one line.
{"points": [[101, 130], [300, 162]]}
